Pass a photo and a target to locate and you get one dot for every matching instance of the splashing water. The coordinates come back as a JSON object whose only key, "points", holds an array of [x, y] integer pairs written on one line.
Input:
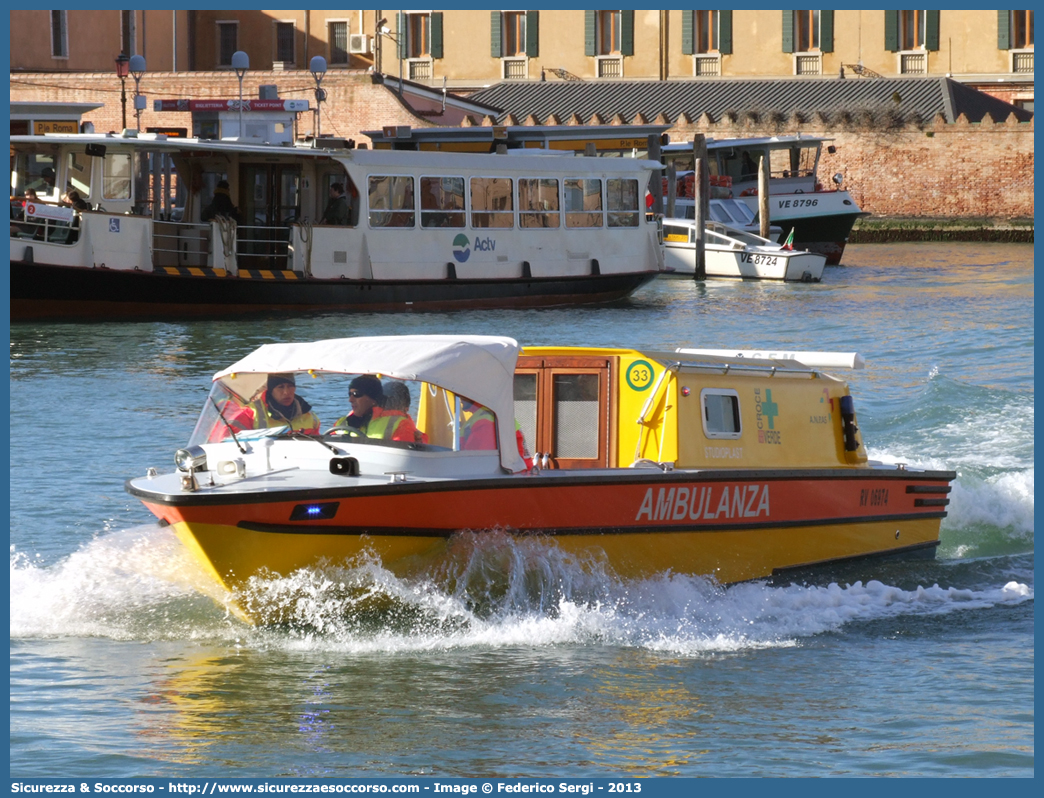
{"points": [[490, 590]]}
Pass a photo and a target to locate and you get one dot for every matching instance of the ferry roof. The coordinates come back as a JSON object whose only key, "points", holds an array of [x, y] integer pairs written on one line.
{"points": [[763, 141], [526, 135], [523, 160], [480, 367]]}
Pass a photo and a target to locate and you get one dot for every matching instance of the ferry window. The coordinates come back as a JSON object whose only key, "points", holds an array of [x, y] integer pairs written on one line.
{"points": [[35, 171], [622, 202], [78, 172], [718, 214], [575, 421], [442, 201], [391, 201], [583, 202], [721, 413], [538, 202], [116, 178], [491, 202], [803, 161], [676, 234]]}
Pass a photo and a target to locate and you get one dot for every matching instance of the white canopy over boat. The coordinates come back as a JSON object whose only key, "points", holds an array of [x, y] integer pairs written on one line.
{"points": [[480, 367]]}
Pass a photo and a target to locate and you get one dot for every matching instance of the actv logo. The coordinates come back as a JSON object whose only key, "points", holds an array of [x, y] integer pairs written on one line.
{"points": [[461, 248]]}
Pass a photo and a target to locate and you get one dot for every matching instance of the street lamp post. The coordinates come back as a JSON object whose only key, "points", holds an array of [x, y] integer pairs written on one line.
{"points": [[122, 69], [137, 70], [318, 69], [240, 63]]}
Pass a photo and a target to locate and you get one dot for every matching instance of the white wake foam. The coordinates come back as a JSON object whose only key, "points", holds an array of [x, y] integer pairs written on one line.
{"points": [[499, 592]]}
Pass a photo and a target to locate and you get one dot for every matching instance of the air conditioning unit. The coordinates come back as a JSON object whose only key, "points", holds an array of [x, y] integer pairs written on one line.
{"points": [[359, 43]]}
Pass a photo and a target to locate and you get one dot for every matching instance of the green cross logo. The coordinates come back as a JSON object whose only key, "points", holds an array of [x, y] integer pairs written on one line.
{"points": [[770, 408]]}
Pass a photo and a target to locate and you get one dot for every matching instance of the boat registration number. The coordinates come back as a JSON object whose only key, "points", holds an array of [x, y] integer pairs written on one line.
{"points": [[759, 260]]}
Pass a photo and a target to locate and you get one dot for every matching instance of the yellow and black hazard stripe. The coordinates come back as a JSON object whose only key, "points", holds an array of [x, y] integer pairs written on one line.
{"points": [[190, 271], [270, 274]]}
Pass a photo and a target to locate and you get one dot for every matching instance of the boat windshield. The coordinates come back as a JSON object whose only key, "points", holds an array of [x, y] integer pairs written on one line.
{"points": [[365, 407]]}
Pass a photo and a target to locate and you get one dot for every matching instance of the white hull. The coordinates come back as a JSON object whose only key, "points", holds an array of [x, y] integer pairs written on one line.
{"points": [[733, 254]]}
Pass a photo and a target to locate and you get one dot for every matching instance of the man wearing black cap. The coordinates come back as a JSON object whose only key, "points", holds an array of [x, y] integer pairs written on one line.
{"points": [[364, 393], [279, 406]]}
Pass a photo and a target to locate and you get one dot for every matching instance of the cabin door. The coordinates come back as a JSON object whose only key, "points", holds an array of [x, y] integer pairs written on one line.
{"points": [[562, 406], [269, 200]]}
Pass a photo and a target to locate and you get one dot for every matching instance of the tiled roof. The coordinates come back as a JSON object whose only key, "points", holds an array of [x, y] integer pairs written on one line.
{"points": [[915, 98]]}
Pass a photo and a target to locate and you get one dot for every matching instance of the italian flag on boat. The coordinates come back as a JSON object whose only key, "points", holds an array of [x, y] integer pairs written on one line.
{"points": [[789, 243]]}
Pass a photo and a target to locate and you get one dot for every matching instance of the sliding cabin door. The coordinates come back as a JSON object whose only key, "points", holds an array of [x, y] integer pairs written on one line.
{"points": [[563, 406], [270, 200]]}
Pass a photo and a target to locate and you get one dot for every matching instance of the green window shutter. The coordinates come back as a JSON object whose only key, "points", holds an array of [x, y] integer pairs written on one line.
{"points": [[496, 35], [826, 31], [788, 31], [532, 34], [931, 30], [589, 33], [688, 46], [892, 31], [725, 32], [1004, 30], [401, 34], [436, 34], [627, 32]]}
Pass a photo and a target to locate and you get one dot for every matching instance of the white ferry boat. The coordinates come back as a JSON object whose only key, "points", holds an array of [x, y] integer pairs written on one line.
{"points": [[424, 229]]}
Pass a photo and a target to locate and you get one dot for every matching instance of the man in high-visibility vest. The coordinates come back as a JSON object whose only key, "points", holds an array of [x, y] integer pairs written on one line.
{"points": [[279, 406], [368, 419]]}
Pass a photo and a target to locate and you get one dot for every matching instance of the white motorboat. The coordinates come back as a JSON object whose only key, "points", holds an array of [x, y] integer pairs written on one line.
{"points": [[736, 254]]}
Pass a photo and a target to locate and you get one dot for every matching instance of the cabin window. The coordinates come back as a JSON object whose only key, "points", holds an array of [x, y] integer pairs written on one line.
{"points": [[575, 403], [442, 201], [583, 202], [538, 202], [491, 202], [721, 413], [622, 202], [116, 178], [78, 173], [391, 201], [677, 234], [36, 171]]}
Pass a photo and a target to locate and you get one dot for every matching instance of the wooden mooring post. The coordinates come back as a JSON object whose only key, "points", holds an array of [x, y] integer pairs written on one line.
{"points": [[763, 197], [701, 185]]}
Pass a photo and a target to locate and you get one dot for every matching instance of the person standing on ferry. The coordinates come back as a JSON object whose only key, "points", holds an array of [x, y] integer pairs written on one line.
{"points": [[280, 406]]}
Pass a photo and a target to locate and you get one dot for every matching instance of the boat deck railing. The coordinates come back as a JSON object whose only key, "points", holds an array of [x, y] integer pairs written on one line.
{"points": [[262, 247], [182, 244], [49, 230]]}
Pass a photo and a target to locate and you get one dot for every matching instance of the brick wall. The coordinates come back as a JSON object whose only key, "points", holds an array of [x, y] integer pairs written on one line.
{"points": [[940, 170], [954, 170], [353, 103]]}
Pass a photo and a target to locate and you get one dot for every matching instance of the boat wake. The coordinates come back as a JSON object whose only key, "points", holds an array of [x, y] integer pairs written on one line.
{"points": [[489, 591]]}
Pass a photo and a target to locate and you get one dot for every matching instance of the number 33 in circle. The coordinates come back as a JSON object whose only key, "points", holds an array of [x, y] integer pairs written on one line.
{"points": [[640, 375]]}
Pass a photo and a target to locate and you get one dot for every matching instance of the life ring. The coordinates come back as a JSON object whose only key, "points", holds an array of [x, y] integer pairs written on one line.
{"points": [[749, 192]]}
